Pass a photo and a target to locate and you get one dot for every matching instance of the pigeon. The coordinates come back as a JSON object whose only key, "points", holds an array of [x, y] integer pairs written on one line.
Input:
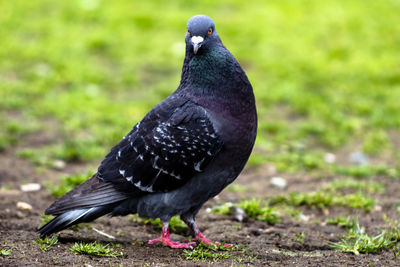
{"points": [[186, 150]]}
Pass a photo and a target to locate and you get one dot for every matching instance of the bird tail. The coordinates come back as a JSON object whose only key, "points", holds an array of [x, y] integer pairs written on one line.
{"points": [[87, 202], [72, 217]]}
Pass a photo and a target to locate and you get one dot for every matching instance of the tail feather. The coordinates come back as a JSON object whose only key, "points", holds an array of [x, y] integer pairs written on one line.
{"points": [[72, 217], [88, 201], [91, 193]]}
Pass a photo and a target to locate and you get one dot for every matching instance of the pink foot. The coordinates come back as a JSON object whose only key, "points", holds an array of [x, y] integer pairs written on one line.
{"points": [[166, 241], [202, 239]]}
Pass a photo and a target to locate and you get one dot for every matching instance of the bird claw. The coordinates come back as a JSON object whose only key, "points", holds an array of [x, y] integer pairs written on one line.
{"points": [[202, 239], [210, 242], [167, 242]]}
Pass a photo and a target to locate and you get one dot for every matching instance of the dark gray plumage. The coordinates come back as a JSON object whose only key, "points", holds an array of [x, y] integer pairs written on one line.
{"points": [[184, 151]]}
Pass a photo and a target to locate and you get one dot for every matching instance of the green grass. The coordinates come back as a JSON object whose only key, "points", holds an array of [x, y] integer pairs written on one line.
{"points": [[300, 237], [316, 91], [14, 129], [5, 252], [95, 249], [204, 252], [367, 171], [271, 209], [358, 241], [46, 243], [323, 199], [343, 221], [356, 185], [254, 208], [259, 210]]}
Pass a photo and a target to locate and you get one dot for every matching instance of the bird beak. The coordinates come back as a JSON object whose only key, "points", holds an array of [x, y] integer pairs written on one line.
{"points": [[196, 41]]}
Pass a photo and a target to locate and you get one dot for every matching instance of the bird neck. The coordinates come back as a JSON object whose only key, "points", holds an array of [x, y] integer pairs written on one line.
{"points": [[207, 69], [215, 80]]}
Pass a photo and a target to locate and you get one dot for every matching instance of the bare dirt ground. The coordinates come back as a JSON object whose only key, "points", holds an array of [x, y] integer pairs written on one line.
{"points": [[261, 244]]}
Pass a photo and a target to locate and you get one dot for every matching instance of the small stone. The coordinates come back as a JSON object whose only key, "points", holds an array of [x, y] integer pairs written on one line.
{"points": [[278, 182], [23, 206], [304, 217], [59, 164], [330, 158], [32, 187], [358, 158], [238, 213], [378, 208]]}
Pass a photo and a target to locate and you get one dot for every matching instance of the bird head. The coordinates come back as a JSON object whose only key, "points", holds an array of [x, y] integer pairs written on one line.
{"points": [[200, 34]]}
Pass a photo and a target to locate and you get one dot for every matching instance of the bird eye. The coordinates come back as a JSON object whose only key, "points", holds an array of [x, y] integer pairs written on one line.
{"points": [[188, 32], [210, 31]]}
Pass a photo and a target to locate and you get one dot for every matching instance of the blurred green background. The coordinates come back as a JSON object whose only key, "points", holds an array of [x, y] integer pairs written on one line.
{"points": [[79, 74]]}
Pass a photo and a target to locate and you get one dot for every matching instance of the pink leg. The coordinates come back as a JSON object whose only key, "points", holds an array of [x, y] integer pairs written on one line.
{"points": [[166, 241], [202, 239]]}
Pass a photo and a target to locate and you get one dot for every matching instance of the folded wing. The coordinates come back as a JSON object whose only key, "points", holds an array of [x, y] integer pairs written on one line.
{"points": [[168, 147]]}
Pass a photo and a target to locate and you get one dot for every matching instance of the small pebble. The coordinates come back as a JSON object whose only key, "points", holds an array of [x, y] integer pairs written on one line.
{"points": [[278, 182], [303, 217], [23, 206], [238, 213], [330, 158], [378, 208], [32, 187], [59, 164], [358, 158]]}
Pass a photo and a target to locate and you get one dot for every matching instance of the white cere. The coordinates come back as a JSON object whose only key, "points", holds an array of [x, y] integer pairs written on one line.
{"points": [[197, 39]]}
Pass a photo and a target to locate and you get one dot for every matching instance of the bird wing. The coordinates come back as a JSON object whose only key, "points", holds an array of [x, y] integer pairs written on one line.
{"points": [[168, 147]]}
